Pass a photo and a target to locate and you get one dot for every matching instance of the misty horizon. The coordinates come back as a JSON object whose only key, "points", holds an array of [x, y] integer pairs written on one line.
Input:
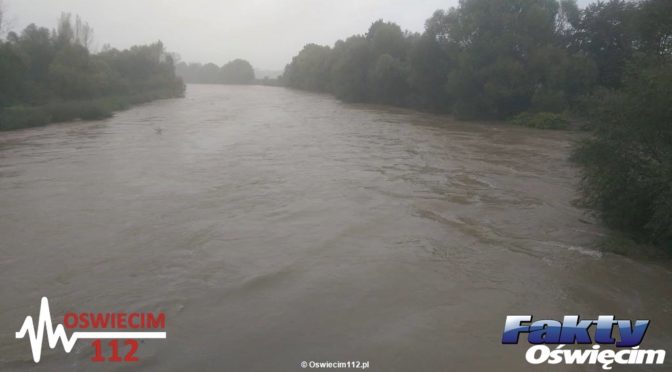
{"points": [[230, 29]]}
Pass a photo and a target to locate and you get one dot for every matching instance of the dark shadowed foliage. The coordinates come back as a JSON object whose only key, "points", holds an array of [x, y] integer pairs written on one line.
{"points": [[627, 166], [483, 59], [310, 69]]}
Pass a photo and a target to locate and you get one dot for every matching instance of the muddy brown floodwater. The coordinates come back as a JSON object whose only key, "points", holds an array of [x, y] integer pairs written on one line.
{"points": [[274, 226]]}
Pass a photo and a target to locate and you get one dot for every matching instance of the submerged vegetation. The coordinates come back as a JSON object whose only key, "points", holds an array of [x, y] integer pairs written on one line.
{"points": [[533, 62], [541, 120], [51, 76]]}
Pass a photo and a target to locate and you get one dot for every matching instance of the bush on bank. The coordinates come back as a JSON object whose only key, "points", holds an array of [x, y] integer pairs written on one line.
{"points": [[627, 164], [541, 120]]}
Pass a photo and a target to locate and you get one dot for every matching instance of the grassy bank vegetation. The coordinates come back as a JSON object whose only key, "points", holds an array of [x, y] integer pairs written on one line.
{"points": [[541, 120], [17, 117], [51, 76]]}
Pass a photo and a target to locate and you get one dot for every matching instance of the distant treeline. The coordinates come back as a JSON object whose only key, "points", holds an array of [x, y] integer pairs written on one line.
{"points": [[48, 76], [489, 59], [238, 71], [533, 61]]}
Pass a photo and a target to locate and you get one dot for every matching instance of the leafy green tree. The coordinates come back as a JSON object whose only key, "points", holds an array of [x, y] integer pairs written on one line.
{"points": [[568, 19], [561, 79], [37, 47], [238, 71], [310, 69], [607, 33], [349, 69], [386, 38], [627, 165], [429, 67], [388, 80], [654, 23], [373, 67], [495, 41], [70, 73], [12, 74]]}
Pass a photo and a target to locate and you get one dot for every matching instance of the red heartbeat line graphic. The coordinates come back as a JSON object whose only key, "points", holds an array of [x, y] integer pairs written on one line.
{"points": [[58, 334]]}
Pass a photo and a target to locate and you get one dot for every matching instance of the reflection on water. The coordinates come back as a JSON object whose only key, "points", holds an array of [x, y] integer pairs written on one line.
{"points": [[275, 226]]}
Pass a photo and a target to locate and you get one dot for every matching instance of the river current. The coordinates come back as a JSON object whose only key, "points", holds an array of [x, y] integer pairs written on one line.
{"points": [[274, 226]]}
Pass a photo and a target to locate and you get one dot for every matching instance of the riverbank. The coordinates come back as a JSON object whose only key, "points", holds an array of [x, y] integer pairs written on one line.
{"points": [[18, 117]]}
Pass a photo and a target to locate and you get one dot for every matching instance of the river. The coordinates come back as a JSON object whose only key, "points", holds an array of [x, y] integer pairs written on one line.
{"points": [[275, 226]]}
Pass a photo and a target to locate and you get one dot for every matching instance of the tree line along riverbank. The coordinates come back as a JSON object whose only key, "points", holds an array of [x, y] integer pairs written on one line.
{"points": [[52, 76], [538, 63]]}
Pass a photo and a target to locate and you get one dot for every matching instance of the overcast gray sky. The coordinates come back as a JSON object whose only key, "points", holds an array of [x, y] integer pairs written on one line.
{"points": [[265, 32]]}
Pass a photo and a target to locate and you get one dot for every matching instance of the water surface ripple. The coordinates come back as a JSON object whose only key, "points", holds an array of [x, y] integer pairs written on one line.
{"points": [[275, 226]]}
